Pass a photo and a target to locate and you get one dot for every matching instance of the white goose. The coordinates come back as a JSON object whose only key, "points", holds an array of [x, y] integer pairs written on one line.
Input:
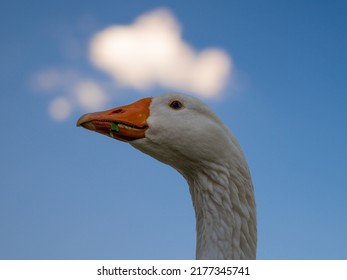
{"points": [[181, 131]]}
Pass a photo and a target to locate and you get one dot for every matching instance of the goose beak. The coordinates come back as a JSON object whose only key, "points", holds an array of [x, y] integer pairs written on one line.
{"points": [[125, 123]]}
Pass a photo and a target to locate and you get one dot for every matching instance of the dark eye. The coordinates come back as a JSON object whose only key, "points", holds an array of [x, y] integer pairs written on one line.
{"points": [[175, 104]]}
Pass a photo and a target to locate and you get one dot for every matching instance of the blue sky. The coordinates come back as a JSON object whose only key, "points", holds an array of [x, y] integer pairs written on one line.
{"points": [[67, 193]]}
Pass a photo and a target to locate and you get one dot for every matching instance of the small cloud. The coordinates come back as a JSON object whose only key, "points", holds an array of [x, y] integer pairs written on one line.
{"points": [[53, 78], [60, 108], [75, 90], [90, 95], [151, 52]]}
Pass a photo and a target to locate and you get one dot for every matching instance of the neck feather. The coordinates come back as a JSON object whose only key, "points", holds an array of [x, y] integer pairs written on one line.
{"points": [[224, 206]]}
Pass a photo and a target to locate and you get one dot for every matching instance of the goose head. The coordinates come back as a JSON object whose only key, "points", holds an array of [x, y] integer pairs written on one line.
{"points": [[176, 129]]}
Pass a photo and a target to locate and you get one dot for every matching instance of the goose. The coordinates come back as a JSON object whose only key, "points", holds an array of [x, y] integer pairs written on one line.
{"points": [[181, 131]]}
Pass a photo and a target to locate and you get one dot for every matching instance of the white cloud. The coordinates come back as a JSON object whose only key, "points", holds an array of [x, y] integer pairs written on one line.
{"points": [[147, 53], [60, 109], [53, 78], [75, 90], [90, 95], [152, 52]]}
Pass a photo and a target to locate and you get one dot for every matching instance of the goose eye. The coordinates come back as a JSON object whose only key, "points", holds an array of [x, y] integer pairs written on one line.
{"points": [[175, 104]]}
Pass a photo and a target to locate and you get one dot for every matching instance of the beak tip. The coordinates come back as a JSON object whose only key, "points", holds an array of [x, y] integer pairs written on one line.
{"points": [[81, 120]]}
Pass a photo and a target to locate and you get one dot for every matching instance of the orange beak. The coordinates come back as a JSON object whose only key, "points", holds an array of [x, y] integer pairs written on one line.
{"points": [[125, 123]]}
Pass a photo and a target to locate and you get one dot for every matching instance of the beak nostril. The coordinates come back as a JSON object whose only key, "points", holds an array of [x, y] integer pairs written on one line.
{"points": [[117, 111]]}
